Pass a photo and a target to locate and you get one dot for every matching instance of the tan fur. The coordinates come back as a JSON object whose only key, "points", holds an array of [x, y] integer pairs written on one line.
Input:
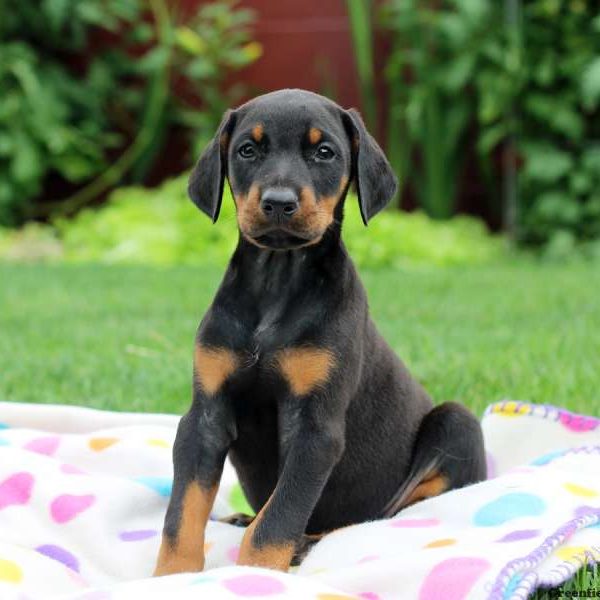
{"points": [[270, 556], [305, 368], [311, 221], [212, 366], [258, 132], [315, 135], [432, 486], [186, 553]]}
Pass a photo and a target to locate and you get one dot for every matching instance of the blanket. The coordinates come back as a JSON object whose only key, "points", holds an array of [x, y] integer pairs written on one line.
{"points": [[83, 495]]}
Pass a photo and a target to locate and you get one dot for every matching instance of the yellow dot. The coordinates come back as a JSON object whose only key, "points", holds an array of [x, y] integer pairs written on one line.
{"points": [[102, 443], [333, 597], [511, 409], [440, 543], [579, 490], [576, 553], [10, 571], [159, 443]]}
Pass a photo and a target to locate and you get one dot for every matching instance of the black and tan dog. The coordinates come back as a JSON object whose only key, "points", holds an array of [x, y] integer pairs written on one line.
{"points": [[323, 423]]}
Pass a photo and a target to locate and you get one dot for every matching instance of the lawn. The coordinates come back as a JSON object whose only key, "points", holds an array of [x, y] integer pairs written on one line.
{"points": [[122, 337]]}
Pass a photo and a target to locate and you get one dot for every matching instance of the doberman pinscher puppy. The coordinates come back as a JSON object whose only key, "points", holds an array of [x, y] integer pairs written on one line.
{"points": [[322, 422]]}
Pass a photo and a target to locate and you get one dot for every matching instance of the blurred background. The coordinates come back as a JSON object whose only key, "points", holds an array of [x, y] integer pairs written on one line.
{"points": [[483, 274]]}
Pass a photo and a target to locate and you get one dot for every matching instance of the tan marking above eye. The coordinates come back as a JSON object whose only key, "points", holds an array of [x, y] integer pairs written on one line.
{"points": [[305, 368], [314, 135], [257, 132], [185, 553], [212, 366]]}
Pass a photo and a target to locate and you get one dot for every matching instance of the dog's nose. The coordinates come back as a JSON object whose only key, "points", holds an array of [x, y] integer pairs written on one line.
{"points": [[279, 203]]}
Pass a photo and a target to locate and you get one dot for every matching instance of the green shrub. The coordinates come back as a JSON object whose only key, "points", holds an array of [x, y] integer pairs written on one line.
{"points": [[53, 119], [161, 226], [531, 80], [60, 115]]}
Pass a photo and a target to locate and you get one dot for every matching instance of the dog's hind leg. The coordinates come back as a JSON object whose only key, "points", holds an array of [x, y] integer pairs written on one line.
{"points": [[448, 453]]}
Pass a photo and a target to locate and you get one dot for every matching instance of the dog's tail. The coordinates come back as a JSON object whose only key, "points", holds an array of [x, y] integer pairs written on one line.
{"points": [[420, 472]]}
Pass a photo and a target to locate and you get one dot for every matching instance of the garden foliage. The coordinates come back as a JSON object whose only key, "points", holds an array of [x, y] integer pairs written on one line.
{"points": [[161, 226], [476, 70], [89, 88]]}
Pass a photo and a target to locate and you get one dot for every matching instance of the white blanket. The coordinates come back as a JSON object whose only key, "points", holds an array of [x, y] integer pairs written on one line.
{"points": [[83, 495]]}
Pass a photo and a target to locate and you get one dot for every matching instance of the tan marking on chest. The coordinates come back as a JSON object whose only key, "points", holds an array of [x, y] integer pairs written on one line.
{"points": [[305, 368], [212, 366]]}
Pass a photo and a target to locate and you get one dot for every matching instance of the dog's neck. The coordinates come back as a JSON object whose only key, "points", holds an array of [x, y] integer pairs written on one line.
{"points": [[285, 277]]}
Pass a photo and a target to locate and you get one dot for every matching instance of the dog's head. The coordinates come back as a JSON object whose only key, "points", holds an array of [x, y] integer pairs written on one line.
{"points": [[290, 157]]}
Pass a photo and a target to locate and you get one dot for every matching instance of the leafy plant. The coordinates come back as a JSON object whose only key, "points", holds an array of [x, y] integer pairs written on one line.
{"points": [[161, 226], [524, 85], [52, 119], [59, 114], [361, 29], [212, 45], [438, 48], [559, 135]]}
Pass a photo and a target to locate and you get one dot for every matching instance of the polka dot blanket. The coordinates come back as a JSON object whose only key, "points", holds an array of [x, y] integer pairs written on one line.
{"points": [[83, 495]]}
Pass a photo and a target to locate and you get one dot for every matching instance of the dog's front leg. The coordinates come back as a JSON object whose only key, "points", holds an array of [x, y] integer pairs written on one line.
{"points": [[203, 439], [315, 447]]}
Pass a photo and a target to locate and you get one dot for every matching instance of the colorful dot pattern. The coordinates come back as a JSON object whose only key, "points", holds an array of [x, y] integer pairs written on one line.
{"points": [[97, 503]]}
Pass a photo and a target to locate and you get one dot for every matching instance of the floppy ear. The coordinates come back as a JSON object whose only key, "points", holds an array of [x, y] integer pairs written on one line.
{"points": [[376, 183], [205, 186]]}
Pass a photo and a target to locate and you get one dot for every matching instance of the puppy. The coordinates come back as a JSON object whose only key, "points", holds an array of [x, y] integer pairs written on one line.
{"points": [[321, 420]]}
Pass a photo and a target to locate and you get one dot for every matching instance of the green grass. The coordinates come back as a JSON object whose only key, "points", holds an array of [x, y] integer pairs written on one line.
{"points": [[122, 337]]}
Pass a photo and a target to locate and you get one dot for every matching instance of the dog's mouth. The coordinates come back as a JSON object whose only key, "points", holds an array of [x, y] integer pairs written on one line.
{"points": [[281, 239]]}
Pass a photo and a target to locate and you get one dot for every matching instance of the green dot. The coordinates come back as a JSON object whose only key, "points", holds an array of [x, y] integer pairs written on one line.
{"points": [[238, 500]]}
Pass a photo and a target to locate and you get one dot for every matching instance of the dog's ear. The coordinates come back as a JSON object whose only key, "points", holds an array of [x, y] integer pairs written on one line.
{"points": [[375, 181], [205, 185]]}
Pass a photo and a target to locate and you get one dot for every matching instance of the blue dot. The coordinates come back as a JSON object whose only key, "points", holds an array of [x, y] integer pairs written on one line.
{"points": [[4, 426], [202, 579], [161, 485], [547, 458], [509, 507], [4, 442]]}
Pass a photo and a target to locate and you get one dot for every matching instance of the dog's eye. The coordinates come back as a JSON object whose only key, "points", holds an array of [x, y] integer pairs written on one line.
{"points": [[247, 150], [324, 153]]}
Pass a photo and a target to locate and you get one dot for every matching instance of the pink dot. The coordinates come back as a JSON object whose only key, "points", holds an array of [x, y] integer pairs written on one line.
{"points": [[254, 585], [368, 558], [71, 469], [369, 596], [44, 445], [414, 523], [67, 507], [16, 489], [452, 579], [233, 553], [578, 423]]}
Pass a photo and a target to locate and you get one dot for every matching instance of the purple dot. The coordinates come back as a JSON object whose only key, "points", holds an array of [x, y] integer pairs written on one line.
{"points": [[584, 511], [254, 585], [519, 534], [137, 535], [60, 554]]}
